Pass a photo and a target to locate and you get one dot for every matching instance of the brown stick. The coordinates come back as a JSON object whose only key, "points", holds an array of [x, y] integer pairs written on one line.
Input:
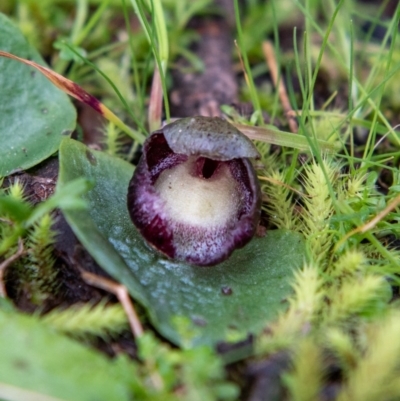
{"points": [[371, 223], [270, 58], [155, 104], [121, 293], [8, 262]]}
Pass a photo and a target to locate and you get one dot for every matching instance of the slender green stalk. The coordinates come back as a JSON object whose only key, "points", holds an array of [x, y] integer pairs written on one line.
{"points": [[136, 78], [297, 64], [158, 45], [124, 128], [369, 150], [309, 100], [162, 35], [281, 138], [366, 95], [79, 21], [277, 53], [84, 32], [352, 91], [253, 92]]}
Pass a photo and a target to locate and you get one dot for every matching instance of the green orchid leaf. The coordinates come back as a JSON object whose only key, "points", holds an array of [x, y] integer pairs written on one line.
{"points": [[189, 305], [34, 115], [39, 364]]}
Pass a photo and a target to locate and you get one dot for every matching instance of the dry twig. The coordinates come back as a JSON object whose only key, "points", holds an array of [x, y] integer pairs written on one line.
{"points": [[270, 58], [9, 261], [155, 104], [372, 223], [121, 293]]}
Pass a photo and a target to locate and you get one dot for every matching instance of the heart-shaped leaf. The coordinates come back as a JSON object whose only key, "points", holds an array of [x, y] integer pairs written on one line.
{"points": [[34, 115], [226, 301]]}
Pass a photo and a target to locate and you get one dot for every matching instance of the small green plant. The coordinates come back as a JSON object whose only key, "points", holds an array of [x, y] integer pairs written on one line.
{"points": [[81, 321], [193, 374], [26, 232], [35, 271]]}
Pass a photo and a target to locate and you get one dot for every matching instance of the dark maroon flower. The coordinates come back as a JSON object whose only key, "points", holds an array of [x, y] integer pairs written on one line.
{"points": [[194, 195]]}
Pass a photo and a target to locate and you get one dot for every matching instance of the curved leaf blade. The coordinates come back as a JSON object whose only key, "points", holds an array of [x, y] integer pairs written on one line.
{"points": [[226, 301], [34, 115], [40, 363]]}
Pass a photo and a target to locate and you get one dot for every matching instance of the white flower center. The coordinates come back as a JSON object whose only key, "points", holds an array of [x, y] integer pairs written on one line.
{"points": [[198, 201]]}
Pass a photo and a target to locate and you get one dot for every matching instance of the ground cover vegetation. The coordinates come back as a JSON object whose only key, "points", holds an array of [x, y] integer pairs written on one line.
{"points": [[308, 309]]}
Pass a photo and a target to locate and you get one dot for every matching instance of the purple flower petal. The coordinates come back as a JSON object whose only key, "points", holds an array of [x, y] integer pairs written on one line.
{"points": [[190, 206]]}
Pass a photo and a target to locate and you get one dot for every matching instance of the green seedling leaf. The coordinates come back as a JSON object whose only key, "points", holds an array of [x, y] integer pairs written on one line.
{"points": [[282, 138], [34, 115], [68, 55], [223, 302], [38, 364]]}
